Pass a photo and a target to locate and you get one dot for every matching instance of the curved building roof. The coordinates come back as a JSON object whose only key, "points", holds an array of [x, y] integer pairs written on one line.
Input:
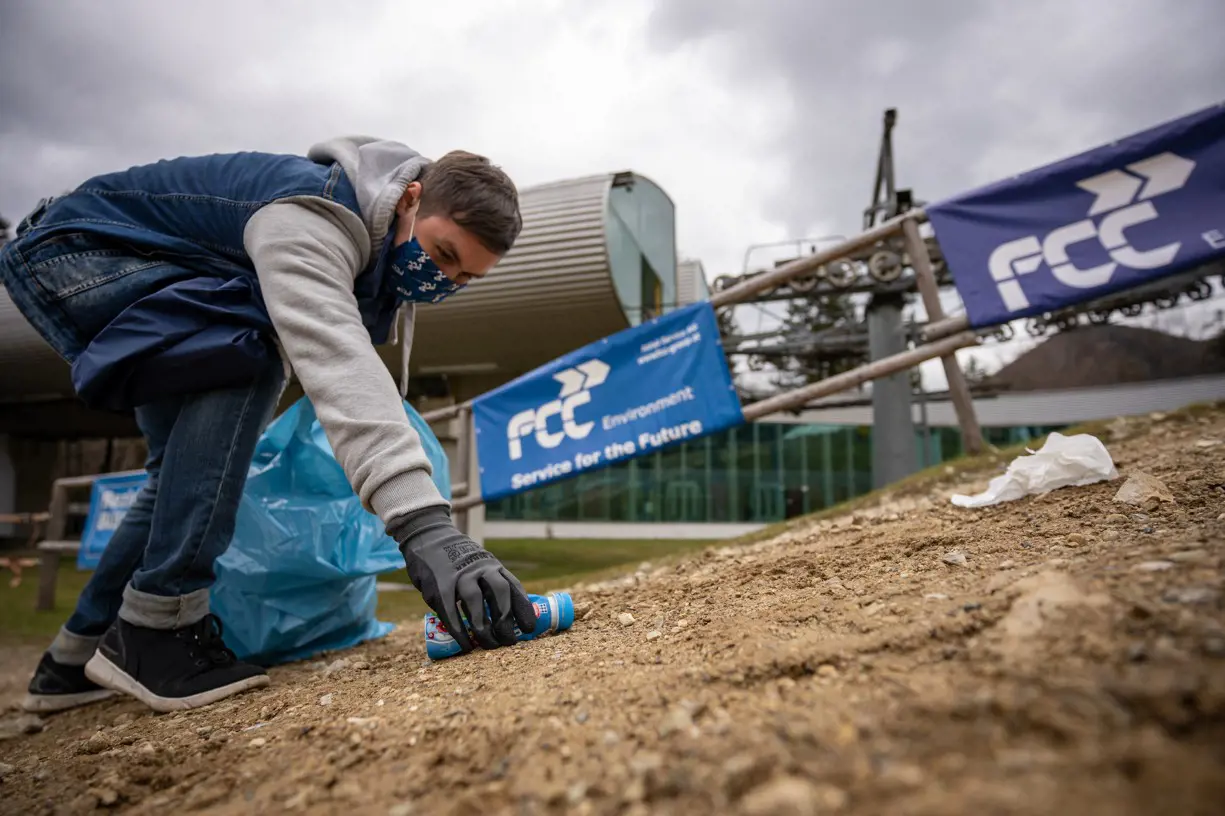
{"points": [[596, 255]]}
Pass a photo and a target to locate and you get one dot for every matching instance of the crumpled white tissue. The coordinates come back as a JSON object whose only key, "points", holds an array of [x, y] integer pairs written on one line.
{"points": [[1064, 461]]}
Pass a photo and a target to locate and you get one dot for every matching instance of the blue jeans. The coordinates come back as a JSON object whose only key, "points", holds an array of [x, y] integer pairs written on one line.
{"points": [[158, 566]]}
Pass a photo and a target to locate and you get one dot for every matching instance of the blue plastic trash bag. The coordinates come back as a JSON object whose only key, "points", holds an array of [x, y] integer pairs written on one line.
{"points": [[299, 577]]}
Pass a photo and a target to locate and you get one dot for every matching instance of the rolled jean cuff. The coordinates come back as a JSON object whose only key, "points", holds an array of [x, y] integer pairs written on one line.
{"points": [[71, 649], [161, 611]]}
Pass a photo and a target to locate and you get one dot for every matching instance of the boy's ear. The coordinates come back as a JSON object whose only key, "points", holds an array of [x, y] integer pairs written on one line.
{"points": [[412, 194]]}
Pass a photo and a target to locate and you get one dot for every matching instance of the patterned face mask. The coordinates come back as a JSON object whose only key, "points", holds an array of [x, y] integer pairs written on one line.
{"points": [[415, 278]]}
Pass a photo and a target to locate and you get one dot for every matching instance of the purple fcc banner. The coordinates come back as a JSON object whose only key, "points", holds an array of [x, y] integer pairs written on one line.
{"points": [[108, 504], [1116, 217], [631, 394]]}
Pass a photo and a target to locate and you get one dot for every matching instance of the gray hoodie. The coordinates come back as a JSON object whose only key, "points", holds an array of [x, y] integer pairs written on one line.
{"points": [[307, 253]]}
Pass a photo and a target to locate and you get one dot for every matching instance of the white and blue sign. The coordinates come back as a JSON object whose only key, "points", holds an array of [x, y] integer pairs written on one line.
{"points": [[630, 394], [1121, 215], [108, 504]]}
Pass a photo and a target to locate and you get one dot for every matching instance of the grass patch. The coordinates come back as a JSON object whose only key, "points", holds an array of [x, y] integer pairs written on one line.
{"points": [[18, 620], [541, 564]]}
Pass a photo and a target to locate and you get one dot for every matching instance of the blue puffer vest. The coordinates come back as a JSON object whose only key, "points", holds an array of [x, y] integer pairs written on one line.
{"points": [[199, 322]]}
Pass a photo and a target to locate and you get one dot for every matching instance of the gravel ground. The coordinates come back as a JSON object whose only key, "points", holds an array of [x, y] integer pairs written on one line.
{"points": [[1057, 654]]}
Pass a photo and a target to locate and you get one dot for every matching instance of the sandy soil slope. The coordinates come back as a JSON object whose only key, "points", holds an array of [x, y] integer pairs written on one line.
{"points": [[1059, 654]]}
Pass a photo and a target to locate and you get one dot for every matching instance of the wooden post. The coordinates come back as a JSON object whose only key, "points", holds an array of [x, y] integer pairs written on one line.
{"points": [[935, 329], [463, 450], [959, 390], [49, 568]]}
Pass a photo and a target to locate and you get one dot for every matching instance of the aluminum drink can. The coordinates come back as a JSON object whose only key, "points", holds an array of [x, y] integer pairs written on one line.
{"points": [[554, 613]]}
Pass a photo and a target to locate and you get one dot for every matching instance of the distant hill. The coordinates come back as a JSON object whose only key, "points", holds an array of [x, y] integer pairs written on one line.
{"points": [[1107, 355]]}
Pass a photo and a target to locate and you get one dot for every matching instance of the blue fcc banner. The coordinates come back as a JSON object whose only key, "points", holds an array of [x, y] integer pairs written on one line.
{"points": [[627, 395], [1126, 213], [108, 504]]}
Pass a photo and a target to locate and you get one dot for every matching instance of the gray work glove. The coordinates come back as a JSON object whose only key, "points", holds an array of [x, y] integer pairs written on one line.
{"points": [[458, 577]]}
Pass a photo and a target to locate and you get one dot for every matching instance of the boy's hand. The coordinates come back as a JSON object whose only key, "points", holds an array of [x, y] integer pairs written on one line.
{"points": [[450, 569]]}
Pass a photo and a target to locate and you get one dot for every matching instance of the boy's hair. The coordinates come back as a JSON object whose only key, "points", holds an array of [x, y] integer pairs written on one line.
{"points": [[475, 194]]}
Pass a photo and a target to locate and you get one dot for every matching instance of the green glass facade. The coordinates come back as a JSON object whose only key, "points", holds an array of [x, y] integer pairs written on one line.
{"points": [[761, 472], [640, 233]]}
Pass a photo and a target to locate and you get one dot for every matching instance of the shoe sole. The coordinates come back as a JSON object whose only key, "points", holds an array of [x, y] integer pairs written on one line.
{"points": [[107, 674], [47, 703]]}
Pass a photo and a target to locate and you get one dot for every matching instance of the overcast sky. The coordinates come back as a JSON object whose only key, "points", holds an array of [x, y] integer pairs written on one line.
{"points": [[761, 120]]}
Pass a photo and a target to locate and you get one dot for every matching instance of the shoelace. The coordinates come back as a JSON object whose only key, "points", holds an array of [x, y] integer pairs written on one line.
{"points": [[207, 635]]}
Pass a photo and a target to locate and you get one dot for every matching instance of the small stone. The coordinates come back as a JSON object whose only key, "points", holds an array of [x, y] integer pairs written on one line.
{"points": [[972, 606], [1191, 595], [677, 720], [903, 774], [1007, 564], [1207, 443], [625, 619], [792, 796], [1077, 540], [576, 793], [1214, 646], [1221, 517], [402, 809], [644, 762], [1137, 653], [1142, 487], [336, 666], [955, 558], [30, 724], [147, 748], [361, 665], [258, 742], [1154, 566], [1148, 530], [827, 670], [105, 796], [935, 596], [743, 772], [1116, 518], [582, 717], [96, 744], [653, 635], [1110, 535], [5, 770], [682, 623], [204, 730], [325, 700], [610, 738], [1189, 556]]}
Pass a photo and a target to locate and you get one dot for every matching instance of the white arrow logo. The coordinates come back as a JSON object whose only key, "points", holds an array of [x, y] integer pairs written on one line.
{"points": [[583, 376], [1159, 174], [576, 385], [1123, 197]]}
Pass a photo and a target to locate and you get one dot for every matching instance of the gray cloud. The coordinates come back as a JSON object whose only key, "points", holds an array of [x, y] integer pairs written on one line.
{"points": [[699, 94], [983, 89], [91, 87]]}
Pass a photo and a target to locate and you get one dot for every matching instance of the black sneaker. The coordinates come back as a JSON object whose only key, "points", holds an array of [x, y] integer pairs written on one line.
{"points": [[58, 686], [172, 669]]}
